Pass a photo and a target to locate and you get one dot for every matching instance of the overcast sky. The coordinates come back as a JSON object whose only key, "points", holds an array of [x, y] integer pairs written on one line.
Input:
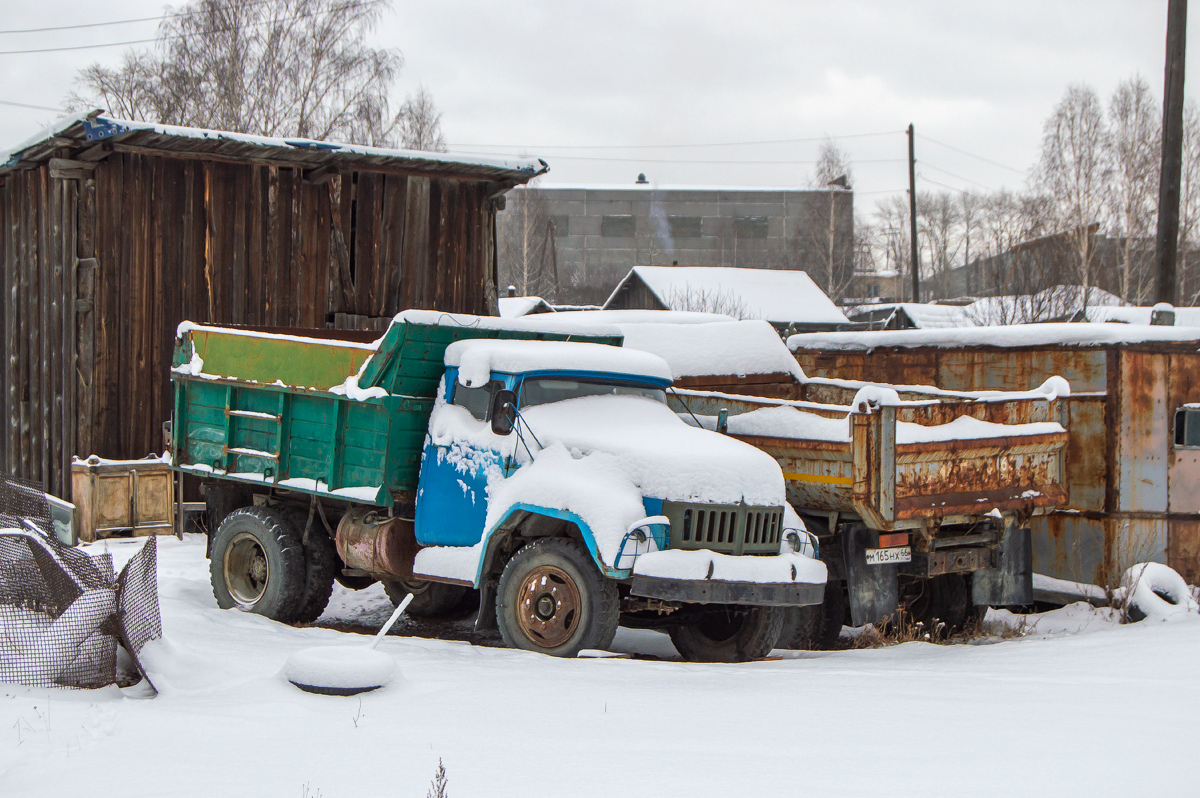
{"points": [[550, 78]]}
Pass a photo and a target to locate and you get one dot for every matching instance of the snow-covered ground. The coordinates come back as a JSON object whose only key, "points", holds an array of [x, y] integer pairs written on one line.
{"points": [[1077, 706]]}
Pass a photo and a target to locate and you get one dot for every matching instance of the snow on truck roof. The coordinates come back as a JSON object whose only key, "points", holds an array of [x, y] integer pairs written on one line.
{"points": [[1013, 336], [476, 359]]}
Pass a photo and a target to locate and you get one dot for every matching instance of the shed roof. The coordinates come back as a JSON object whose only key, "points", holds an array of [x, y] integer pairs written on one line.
{"points": [[80, 130], [776, 295], [922, 315], [1184, 317]]}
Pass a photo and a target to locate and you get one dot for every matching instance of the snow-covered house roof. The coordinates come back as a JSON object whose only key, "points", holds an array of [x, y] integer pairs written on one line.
{"points": [[512, 307], [97, 127], [912, 315], [780, 296]]}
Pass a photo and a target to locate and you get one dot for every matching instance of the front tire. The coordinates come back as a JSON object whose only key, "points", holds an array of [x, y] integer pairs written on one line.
{"points": [[258, 564], [729, 634], [816, 626], [552, 599]]}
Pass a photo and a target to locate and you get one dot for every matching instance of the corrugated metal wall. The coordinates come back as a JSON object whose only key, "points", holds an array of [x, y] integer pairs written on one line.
{"points": [[97, 272]]}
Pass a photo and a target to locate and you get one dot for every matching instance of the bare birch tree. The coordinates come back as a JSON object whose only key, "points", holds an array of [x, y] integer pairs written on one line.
{"points": [[1073, 171], [527, 242], [421, 123], [298, 68], [1134, 153]]}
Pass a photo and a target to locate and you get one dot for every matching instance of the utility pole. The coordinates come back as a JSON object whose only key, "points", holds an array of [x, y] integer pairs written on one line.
{"points": [[912, 218], [1166, 286]]}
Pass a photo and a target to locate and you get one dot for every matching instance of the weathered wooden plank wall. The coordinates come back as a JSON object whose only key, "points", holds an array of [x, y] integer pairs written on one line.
{"points": [[100, 267]]}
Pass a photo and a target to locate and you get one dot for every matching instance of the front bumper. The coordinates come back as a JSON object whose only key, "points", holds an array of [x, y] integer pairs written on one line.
{"points": [[711, 591]]}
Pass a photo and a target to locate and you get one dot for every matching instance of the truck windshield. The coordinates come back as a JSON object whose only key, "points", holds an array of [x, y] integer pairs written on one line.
{"points": [[544, 390]]}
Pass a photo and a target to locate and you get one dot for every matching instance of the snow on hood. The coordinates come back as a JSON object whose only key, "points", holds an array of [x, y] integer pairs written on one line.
{"points": [[478, 358]]}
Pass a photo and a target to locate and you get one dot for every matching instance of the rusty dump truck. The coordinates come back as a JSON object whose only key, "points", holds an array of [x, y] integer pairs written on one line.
{"points": [[920, 498]]}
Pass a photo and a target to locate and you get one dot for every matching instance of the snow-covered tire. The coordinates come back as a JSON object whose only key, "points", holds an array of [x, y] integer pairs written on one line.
{"points": [[321, 566], [816, 626], [729, 634], [552, 599], [430, 599], [258, 564], [1155, 591]]}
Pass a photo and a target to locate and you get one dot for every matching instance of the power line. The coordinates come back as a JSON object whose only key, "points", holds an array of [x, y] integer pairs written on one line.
{"points": [[114, 22], [928, 179], [973, 155], [951, 174], [163, 38], [34, 107], [674, 146]]}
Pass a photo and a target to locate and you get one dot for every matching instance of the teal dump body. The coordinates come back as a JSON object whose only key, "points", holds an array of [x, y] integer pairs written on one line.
{"points": [[259, 407]]}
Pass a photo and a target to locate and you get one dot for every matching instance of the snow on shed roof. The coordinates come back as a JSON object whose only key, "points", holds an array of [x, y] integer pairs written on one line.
{"points": [[1014, 336], [477, 358], [717, 348], [512, 307], [641, 317], [89, 128], [776, 295], [923, 315]]}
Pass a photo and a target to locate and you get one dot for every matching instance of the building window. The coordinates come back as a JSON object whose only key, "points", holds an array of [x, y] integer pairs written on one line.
{"points": [[560, 223], [616, 226], [684, 226], [750, 226], [1187, 427]]}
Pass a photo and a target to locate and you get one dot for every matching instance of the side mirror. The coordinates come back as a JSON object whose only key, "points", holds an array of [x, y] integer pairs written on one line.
{"points": [[504, 412]]}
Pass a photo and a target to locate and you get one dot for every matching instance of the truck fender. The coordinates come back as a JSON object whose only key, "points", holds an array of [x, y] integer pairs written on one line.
{"points": [[494, 536]]}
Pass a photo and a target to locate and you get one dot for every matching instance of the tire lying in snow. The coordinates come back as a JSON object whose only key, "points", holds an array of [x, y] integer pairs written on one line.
{"points": [[729, 634], [1155, 591], [430, 599], [258, 564], [552, 599]]}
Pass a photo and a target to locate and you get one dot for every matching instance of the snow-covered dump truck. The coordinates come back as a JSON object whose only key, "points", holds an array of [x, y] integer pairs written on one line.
{"points": [[920, 498], [457, 454]]}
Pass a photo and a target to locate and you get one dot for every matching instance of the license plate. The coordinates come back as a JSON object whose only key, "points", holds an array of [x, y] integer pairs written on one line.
{"points": [[888, 556]]}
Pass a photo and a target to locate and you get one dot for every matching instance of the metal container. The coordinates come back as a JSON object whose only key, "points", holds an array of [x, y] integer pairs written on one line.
{"points": [[112, 496]]}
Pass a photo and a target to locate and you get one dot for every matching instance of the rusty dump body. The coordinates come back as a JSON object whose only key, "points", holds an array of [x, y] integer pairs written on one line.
{"points": [[918, 485], [1132, 472]]}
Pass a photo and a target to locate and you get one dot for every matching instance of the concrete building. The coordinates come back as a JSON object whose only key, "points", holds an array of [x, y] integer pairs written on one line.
{"points": [[574, 245]]}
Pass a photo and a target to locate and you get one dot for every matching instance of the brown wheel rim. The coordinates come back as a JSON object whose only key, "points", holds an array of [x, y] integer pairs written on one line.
{"points": [[548, 606], [246, 569]]}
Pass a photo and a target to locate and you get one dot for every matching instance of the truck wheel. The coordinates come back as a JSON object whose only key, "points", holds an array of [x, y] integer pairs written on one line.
{"points": [[945, 598], [729, 634], [258, 564], [817, 626], [321, 566], [551, 599], [430, 599]]}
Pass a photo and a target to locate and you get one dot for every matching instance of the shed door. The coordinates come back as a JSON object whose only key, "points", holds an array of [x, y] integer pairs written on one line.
{"points": [[1144, 433]]}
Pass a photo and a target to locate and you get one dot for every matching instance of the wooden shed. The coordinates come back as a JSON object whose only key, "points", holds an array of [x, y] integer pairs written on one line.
{"points": [[112, 232]]}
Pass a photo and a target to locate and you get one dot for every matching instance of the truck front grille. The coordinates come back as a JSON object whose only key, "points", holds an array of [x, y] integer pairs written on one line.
{"points": [[726, 528]]}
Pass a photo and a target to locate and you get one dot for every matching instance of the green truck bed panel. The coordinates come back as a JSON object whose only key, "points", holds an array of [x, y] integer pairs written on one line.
{"points": [[261, 407]]}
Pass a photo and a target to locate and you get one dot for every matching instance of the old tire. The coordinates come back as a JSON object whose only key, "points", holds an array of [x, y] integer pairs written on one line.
{"points": [[430, 599], [321, 566], [729, 634], [816, 626], [258, 564], [944, 599], [553, 600]]}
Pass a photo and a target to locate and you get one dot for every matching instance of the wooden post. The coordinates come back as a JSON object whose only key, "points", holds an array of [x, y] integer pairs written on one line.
{"points": [[912, 217], [1167, 242]]}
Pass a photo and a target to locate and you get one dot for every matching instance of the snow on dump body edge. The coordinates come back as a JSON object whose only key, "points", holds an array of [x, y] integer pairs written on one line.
{"points": [[1017, 335], [788, 422], [476, 359], [541, 322]]}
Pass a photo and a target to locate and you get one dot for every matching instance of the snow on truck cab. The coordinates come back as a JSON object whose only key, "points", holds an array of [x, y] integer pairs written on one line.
{"points": [[550, 477]]}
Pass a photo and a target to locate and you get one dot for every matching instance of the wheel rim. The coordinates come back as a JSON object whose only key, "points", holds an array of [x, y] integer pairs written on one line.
{"points": [[247, 570], [548, 606]]}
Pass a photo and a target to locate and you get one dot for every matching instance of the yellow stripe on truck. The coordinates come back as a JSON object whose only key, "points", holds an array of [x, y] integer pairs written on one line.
{"points": [[828, 480]]}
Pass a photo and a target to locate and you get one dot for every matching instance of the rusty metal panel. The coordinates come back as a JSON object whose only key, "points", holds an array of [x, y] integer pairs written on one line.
{"points": [[1143, 432], [1183, 464], [1183, 548], [1087, 467], [1068, 546]]}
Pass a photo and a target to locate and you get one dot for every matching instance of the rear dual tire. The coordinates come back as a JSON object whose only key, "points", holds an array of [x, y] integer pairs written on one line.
{"points": [[729, 634]]}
